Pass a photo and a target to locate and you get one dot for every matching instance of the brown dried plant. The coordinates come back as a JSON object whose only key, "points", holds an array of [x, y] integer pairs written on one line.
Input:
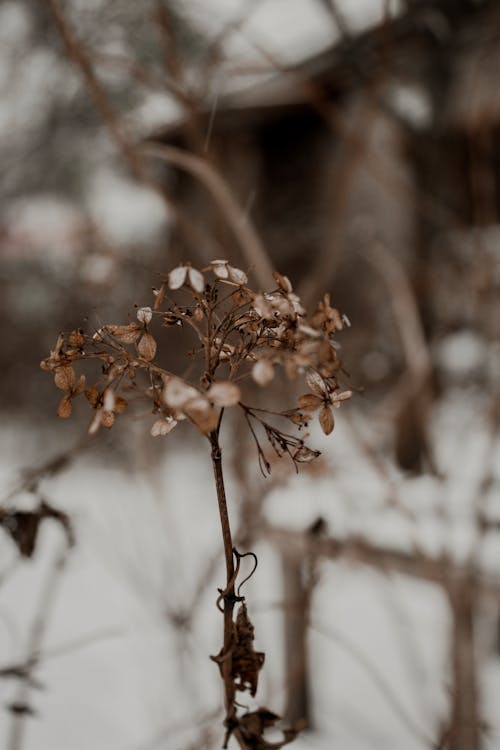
{"points": [[238, 334]]}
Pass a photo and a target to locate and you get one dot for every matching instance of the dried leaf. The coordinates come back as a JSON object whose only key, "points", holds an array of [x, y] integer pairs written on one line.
{"points": [[144, 315], [147, 347], [326, 420], [196, 280], [64, 377], [65, 408], [224, 393], [125, 334], [263, 372], [177, 277], [163, 426], [309, 402]]}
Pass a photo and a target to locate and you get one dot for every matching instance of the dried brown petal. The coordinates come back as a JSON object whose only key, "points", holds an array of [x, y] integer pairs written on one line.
{"points": [[263, 372], [224, 393], [125, 334], [120, 405], [283, 282], [107, 419], [93, 396], [79, 386], [65, 408], [326, 420], [147, 347], [305, 454], [309, 402], [64, 377], [315, 382], [76, 339], [160, 296], [342, 396]]}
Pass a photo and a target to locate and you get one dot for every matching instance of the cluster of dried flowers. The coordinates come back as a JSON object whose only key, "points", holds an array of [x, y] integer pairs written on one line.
{"points": [[238, 334]]}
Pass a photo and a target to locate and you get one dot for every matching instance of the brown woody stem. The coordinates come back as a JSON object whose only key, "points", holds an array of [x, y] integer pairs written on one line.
{"points": [[226, 661]]}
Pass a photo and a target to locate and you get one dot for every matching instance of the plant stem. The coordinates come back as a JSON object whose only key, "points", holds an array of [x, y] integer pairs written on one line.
{"points": [[226, 661]]}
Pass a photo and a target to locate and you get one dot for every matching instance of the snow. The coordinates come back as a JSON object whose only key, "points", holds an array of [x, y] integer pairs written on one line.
{"points": [[378, 643]]}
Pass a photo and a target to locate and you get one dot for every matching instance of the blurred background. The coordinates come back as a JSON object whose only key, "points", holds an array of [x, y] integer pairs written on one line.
{"points": [[355, 147]]}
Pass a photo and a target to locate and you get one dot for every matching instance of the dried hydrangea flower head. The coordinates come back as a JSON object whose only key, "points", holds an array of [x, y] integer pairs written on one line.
{"points": [[239, 334]]}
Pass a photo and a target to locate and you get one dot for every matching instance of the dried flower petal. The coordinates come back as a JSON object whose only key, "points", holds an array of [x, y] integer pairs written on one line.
{"points": [[147, 347], [93, 396], [76, 339], [177, 277], [326, 420], [107, 419], [305, 454], [202, 414], [163, 426], [196, 280], [120, 405], [220, 268], [125, 334], [263, 372], [237, 276], [316, 382], [310, 402], [79, 387], [224, 393], [144, 315], [177, 392], [64, 377], [65, 408], [283, 282]]}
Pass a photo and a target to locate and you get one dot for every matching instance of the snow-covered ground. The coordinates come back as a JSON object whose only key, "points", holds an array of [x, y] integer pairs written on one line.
{"points": [[117, 675]]}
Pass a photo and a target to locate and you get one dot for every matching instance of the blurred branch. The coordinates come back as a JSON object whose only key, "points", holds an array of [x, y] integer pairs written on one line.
{"points": [[236, 218], [20, 707]]}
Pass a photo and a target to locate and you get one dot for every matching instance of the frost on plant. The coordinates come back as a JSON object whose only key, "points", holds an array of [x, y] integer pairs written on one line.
{"points": [[233, 335]]}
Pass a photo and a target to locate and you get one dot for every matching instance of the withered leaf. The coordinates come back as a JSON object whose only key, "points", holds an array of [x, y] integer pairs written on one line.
{"points": [[224, 393], [309, 402], [64, 377], [65, 408], [147, 347], [326, 420], [246, 662]]}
